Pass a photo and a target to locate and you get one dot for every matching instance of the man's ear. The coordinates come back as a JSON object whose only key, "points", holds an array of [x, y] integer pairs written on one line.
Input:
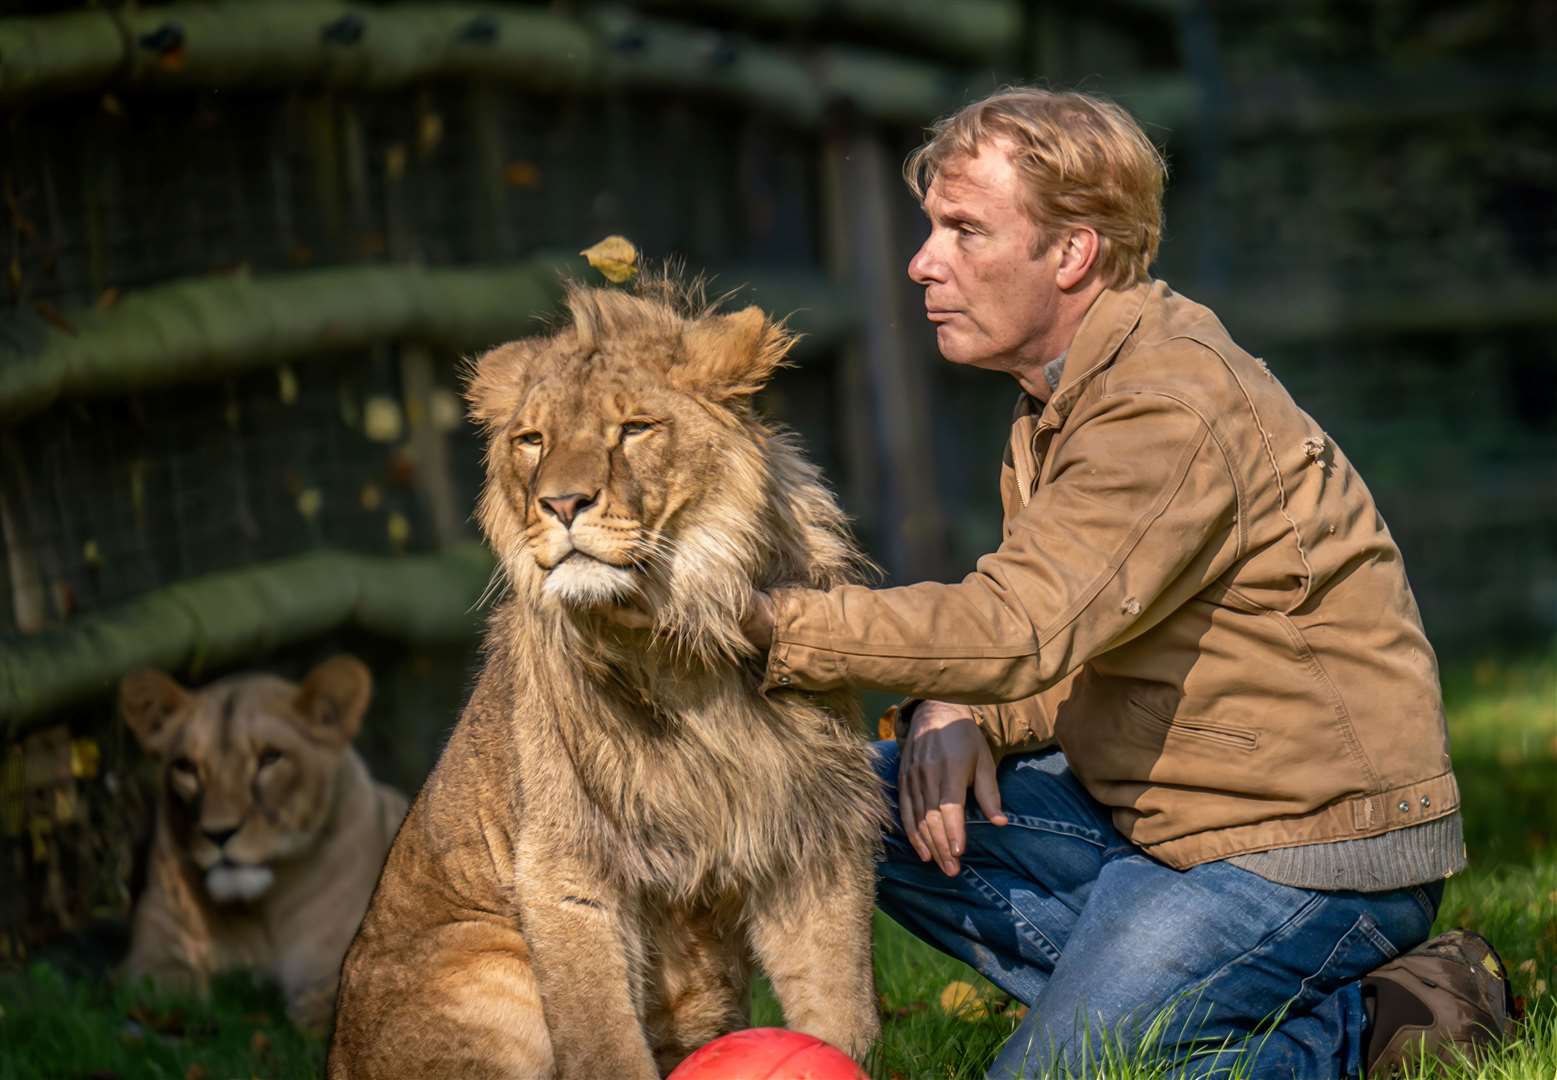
{"points": [[732, 355], [333, 699], [153, 706], [1079, 250]]}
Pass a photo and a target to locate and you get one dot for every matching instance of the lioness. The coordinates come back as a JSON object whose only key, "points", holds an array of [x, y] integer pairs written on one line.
{"points": [[269, 832], [620, 822]]}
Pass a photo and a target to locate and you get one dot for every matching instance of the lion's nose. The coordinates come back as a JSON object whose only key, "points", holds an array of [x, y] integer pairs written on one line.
{"points": [[219, 836], [567, 507]]}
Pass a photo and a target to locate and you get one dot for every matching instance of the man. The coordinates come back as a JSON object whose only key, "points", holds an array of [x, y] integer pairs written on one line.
{"points": [[1190, 693]]}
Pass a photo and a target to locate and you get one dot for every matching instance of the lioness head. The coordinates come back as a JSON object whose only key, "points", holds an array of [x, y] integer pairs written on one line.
{"points": [[625, 464], [249, 763]]}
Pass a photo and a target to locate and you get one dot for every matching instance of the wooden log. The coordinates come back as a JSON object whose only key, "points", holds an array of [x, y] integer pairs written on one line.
{"points": [[58, 54], [209, 327], [221, 619], [976, 30], [268, 46]]}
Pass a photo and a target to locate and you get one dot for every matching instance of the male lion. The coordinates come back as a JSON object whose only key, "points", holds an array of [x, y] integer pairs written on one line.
{"points": [[269, 831], [620, 822]]}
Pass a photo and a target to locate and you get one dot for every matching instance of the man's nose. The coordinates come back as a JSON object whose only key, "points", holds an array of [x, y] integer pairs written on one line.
{"points": [[925, 268]]}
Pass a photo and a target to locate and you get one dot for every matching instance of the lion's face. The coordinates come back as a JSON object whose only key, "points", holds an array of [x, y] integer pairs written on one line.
{"points": [[596, 470], [249, 764], [623, 460]]}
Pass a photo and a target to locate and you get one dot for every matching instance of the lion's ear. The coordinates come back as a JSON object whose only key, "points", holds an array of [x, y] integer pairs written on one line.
{"points": [[152, 706], [333, 698], [733, 355], [497, 380]]}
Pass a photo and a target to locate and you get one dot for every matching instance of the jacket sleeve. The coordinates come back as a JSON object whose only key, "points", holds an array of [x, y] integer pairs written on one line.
{"points": [[1139, 515]]}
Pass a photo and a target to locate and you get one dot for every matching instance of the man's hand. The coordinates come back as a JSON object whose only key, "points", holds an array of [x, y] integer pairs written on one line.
{"points": [[943, 755], [757, 623]]}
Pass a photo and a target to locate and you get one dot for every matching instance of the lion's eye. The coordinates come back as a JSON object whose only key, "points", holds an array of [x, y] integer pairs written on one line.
{"points": [[185, 766], [636, 427], [269, 756], [527, 438]]}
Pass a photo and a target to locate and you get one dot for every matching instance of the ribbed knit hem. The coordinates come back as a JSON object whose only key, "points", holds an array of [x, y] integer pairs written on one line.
{"points": [[1411, 856]]}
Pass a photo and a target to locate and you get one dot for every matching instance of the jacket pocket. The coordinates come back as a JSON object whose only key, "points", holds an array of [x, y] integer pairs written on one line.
{"points": [[1196, 728]]}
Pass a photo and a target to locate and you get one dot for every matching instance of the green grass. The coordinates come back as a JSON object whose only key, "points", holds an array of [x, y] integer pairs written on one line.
{"points": [[1503, 721], [56, 1027]]}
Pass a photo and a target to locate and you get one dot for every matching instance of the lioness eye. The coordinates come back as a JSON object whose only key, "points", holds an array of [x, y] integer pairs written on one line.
{"points": [[527, 438], [269, 757], [636, 427], [184, 765]]}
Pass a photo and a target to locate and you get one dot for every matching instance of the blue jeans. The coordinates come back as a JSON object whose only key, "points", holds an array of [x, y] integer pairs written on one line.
{"points": [[1118, 956]]}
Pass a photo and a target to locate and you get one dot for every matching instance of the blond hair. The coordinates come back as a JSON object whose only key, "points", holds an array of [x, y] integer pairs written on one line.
{"points": [[1082, 159]]}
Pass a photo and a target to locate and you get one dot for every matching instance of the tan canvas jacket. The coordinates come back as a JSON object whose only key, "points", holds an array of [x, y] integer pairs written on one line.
{"points": [[1194, 595]]}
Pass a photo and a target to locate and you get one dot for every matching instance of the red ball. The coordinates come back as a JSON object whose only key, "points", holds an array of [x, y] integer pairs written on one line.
{"points": [[768, 1054]]}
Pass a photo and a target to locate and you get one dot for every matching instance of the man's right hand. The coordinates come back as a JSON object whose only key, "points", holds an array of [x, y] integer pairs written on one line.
{"points": [[943, 755]]}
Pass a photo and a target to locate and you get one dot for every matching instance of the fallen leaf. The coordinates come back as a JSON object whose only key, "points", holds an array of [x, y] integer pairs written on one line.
{"points": [[399, 530], [259, 1044], [886, 723], [429, 132], [107, 298], [615, 258], [381, 420], [961, 1000], [522, 174], [52, 316]]}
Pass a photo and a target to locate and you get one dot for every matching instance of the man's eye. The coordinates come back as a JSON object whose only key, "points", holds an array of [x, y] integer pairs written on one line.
{"points": [[527, 438]]}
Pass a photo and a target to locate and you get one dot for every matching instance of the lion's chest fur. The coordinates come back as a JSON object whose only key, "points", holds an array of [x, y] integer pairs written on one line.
{"points": [[711, 790]]}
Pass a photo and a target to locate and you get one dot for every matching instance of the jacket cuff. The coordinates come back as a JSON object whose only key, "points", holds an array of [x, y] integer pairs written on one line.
{"points": [[792, 666]]}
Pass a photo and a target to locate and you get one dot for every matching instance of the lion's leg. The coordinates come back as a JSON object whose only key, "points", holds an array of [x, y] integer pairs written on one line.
{"points": [[587, 946], [814, 943], [700, 988], [458, 1000]]}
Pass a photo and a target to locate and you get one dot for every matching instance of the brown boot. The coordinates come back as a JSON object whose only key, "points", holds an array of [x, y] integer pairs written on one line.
{"points": [[1445, 998]]}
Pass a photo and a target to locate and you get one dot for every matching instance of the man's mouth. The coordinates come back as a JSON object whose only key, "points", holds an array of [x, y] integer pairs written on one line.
{"points": [[939, 315]]}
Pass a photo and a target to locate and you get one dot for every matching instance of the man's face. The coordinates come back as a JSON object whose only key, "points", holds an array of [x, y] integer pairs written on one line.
{"points": [[991, 300]]}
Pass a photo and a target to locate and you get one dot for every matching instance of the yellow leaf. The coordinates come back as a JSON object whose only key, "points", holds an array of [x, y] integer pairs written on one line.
{"points": [[615, 257], [399, 530], [961, 1000], [382, 421]]}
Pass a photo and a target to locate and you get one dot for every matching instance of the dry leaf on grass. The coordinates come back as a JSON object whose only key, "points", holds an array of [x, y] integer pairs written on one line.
{"points": [[961, 1000]]}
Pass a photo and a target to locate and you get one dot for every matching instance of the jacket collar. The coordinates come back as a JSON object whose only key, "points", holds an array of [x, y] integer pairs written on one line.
{"points": [[1103, 329]]}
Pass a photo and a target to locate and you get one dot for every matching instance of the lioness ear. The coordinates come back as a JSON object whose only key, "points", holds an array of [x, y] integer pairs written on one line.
{"points": [[733, 355], [333, 698], [152, 705]]}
